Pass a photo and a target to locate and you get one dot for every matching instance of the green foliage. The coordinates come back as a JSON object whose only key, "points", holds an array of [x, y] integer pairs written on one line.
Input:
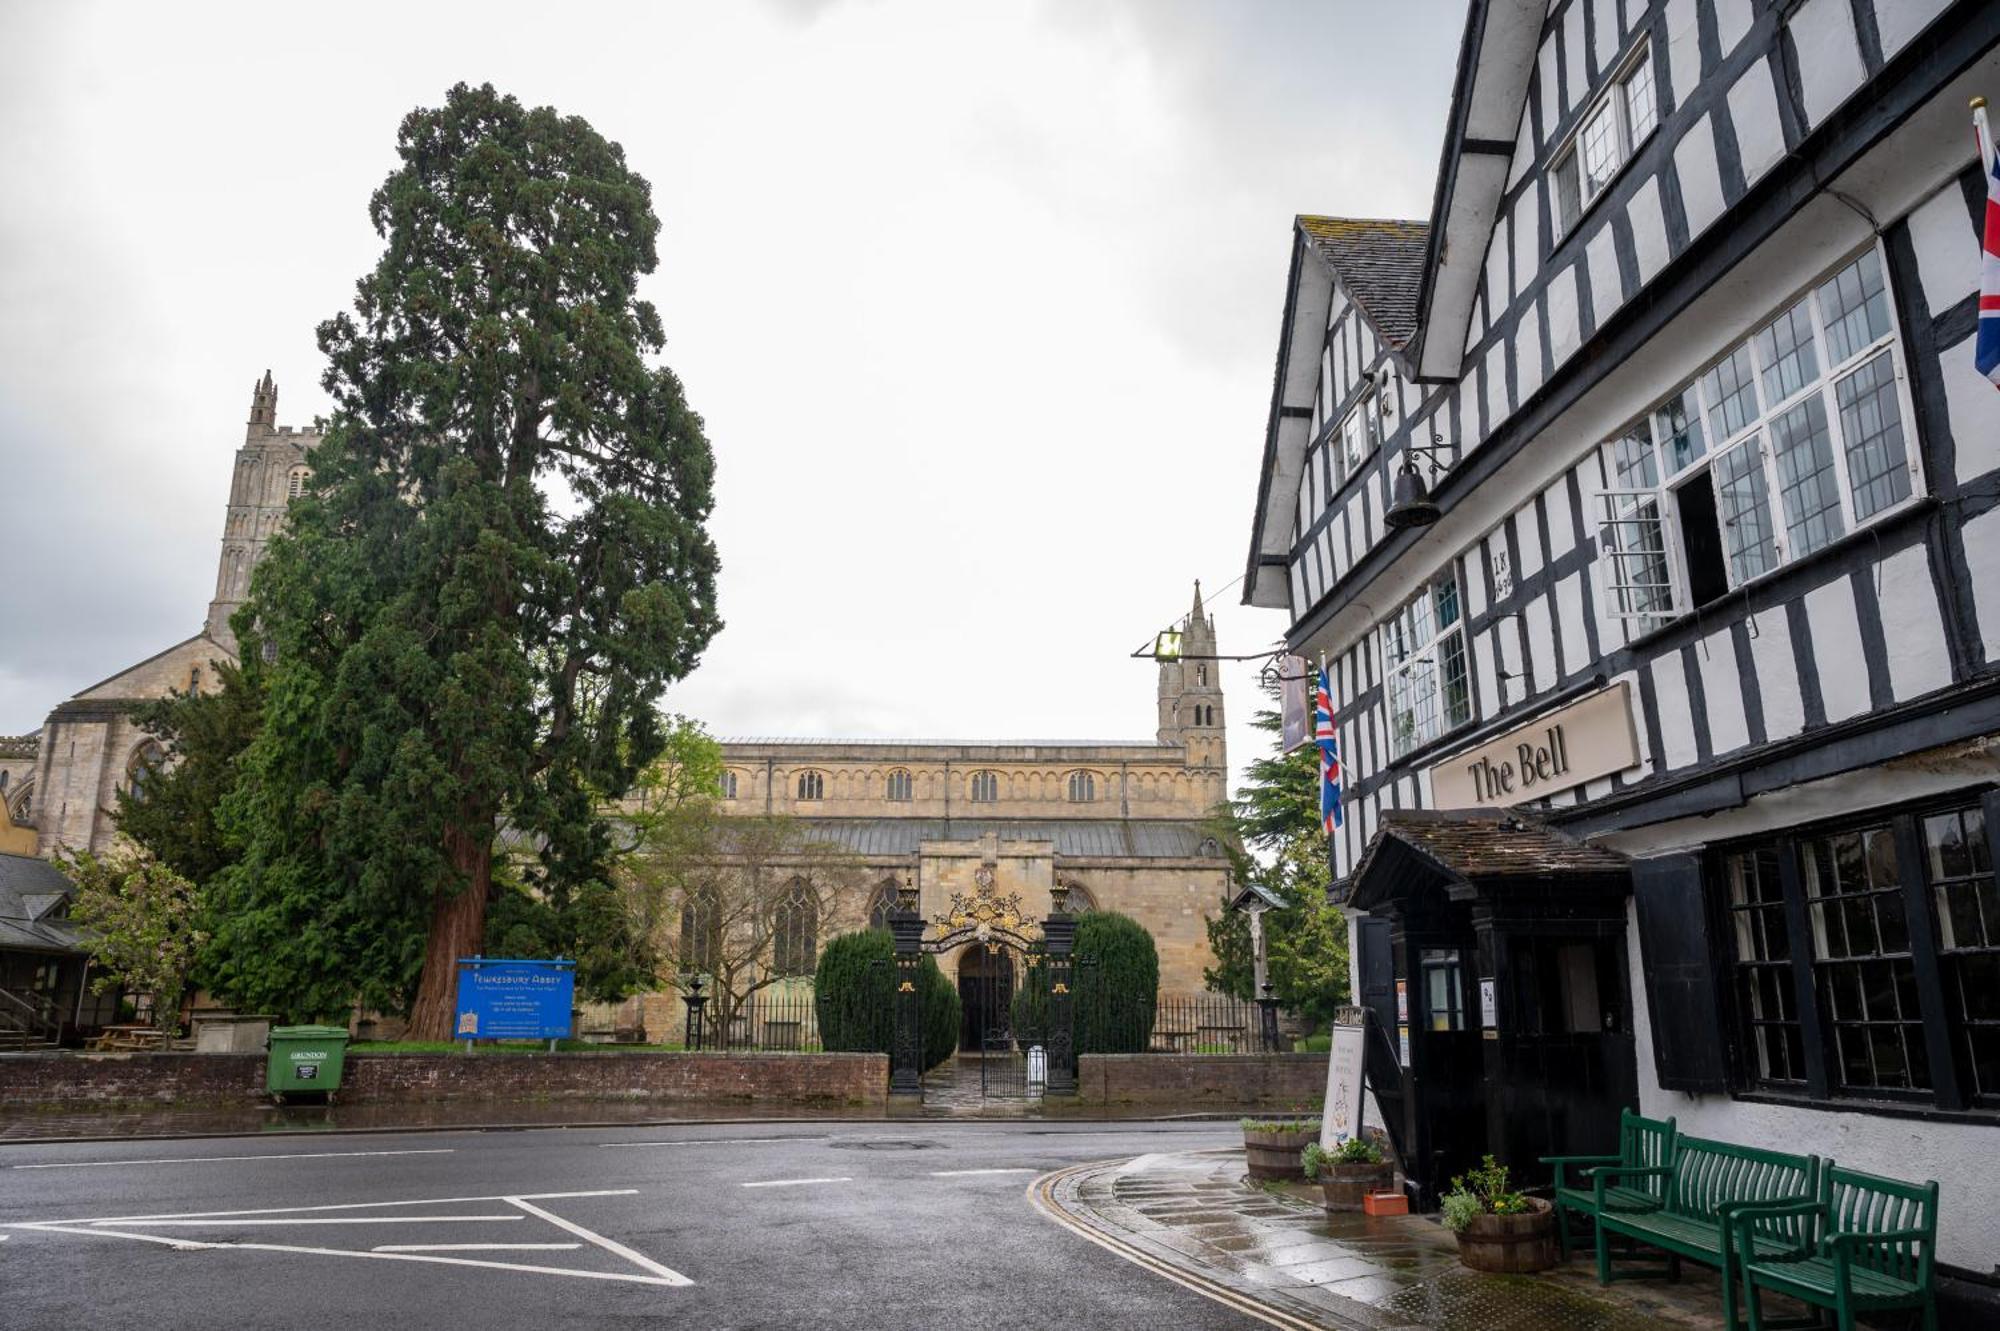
{"points": [[854, 998], [204, 735], [1314, 1044], [139, 921], [1279, 1124], [588, 924], [1117, 984], [1313, 1159], [1480, 1191], [1357, 1151], [1305, 942], [451, 650]]}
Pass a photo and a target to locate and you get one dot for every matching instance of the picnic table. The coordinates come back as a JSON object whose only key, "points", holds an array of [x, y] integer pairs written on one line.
{"points": [[113, 1039]]}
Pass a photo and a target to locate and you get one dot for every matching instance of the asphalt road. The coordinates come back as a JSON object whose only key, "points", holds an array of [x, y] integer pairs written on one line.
{"points": [[923, 1224]]}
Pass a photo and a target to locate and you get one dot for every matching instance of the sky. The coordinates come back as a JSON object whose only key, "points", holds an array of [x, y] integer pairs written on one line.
{"points": [[979, 302]]}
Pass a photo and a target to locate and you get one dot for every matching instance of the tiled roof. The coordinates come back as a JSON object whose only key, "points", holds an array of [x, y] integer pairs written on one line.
{"points": [[1491, 843], [1380, 263], [27, 887]]}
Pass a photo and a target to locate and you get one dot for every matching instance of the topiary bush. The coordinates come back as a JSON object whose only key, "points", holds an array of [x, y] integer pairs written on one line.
{"points": [[854, 997], [1117, 984]]}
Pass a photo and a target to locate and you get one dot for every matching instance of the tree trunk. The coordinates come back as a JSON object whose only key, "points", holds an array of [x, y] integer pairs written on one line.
{"points": [[458, 929]]}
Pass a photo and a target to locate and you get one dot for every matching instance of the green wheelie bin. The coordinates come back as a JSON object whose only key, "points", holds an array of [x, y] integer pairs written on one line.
{"points": [[305, 1059]]}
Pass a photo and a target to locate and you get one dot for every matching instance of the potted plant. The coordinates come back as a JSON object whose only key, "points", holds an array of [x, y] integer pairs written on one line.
{"points": [[1347, 1173], [1271, 1147], [1498, 1228]]}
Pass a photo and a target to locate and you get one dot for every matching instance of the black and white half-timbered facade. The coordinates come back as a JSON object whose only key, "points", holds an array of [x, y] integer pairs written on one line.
{"points": [[1671, 721]]}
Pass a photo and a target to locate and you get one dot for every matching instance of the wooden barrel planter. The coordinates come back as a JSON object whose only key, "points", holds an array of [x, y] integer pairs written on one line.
{"points": [[1510, 1243], [1345, 1185], [1274, 1156]]}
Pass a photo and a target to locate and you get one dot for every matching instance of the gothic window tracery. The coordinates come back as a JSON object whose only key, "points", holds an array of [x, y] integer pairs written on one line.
{"points": [[985, 787], [899, 785], [795, 931], [143, 769], [812, 786], [1082, 788]]}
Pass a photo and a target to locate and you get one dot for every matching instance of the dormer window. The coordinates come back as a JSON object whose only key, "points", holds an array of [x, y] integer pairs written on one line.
{"points": [[1606, 136]]}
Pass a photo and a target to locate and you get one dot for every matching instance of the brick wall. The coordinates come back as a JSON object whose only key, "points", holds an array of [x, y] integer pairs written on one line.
{"points": [[1191, 1081], [97, 1079]]}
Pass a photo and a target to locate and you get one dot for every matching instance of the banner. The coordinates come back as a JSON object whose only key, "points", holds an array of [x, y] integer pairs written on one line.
{"points": [[1295, 687], [514, 1000], [1343, 1086]]}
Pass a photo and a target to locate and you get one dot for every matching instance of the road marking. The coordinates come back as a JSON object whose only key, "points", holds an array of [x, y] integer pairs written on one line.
{"points": [[671, 1276], [475, 1247], [966, 1173], [794, 1182], [221, 1159], [309, 1210], [707, 1141], [326, 1220]]}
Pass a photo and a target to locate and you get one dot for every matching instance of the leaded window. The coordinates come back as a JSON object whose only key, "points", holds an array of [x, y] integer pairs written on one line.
{"points": [[1766, 996], [795, 930], [1082, 788], [899, 786], [1861, 959], [812, 785], [1966, 903], [701, 931], [1423, 654], [1608, 133], [985, 787], [729, 785]]}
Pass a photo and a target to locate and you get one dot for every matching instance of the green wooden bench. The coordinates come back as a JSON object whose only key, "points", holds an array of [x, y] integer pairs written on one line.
{"points": [[1701, 1192], [1866, 1248], [1643, 1143]]}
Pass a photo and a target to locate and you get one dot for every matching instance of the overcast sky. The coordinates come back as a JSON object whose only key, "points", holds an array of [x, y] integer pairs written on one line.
{"points": [[980, 303]]}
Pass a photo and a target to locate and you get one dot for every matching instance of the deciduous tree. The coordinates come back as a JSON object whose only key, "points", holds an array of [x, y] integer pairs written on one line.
{"points": [[139, 921]]}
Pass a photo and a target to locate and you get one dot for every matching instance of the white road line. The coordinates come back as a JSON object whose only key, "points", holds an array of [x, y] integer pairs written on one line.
{"points": [[707, 1141], [666, 1273], [476, 1247], [966, 1173], [446, 1261], [221, 1159], [794, 1182], [325, 1220], [309, 1210]]}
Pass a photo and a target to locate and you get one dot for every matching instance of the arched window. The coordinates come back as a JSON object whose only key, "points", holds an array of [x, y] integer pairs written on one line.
{"points": [[1082, 788], [295, 484], [795, 931], [147, 761], [899, 787], [881, 904], [729, 785], [812, 786], [1080, 899], [1201, 676], [700, 931], [985, 787]]}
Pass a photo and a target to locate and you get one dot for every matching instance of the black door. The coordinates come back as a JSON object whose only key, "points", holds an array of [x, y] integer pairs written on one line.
{"points": [[985, 995], [1570, 1065]]}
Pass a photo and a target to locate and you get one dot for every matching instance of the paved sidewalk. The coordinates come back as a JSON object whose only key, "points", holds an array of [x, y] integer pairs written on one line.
{"points": [[1196, 1216]]}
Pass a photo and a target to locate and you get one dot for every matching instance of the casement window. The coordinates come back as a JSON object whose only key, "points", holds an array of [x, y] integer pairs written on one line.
{"points": [[1864, 959], [1423, 655], [1360, 436], [1605, 137], [899, 786], [985, 787], [1786, 443]]}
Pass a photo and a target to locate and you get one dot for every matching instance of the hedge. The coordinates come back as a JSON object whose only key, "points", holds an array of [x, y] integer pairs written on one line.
{"points": [[854, 996]]}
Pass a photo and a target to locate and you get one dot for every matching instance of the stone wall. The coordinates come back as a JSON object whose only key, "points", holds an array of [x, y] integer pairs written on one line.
{"points": [[226, 1079], [1192, 1081]]}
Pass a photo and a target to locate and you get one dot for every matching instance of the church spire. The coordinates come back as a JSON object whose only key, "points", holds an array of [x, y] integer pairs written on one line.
{"points": [[264, 404], [1197, 599]]}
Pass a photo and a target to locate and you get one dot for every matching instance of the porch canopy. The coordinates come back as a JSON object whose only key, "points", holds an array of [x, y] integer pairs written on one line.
{"points": [[1470, 853]]}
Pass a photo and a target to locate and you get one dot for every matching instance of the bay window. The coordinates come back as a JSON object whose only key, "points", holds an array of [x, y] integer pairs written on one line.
{"points": [[1787, 442]]}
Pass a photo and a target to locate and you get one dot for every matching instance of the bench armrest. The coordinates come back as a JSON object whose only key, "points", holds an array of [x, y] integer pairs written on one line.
{"points": [[1791, 1205], [1601, 1176], [1738, 1217], [1846, 1240], [1581, 1163]]}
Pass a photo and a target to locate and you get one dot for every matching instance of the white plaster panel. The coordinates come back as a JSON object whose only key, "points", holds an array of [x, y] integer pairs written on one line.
{"points": [[1527, 342], [1528, 540], [1565, 334], [1577, 85], [1982, 560], [1670, 689], [1777, 674], [1732, 21], [1607, 291], [1574, 639], [1524, 150], [1611, 631], [1425, 797], [1527, 239], [1974, 409], [1515, 686], [1829, 56], [1474, 582], [1499, 404], [1912, 626], [1836, 641], [1484, 680], [1604, 24], [1722, 692], [1649, 229], [1753, 109], [1700, 175], [1899, 20], [1947, 248], [1562, 518], [1545, 79], [1541, 635], [1498, 291], [1683, 49]]}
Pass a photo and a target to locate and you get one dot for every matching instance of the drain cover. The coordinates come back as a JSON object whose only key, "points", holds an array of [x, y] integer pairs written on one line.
{"points": [[882, 1144]]}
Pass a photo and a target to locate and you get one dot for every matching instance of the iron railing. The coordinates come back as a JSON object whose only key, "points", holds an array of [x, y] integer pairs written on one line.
{"points": [[1111, 1023]]}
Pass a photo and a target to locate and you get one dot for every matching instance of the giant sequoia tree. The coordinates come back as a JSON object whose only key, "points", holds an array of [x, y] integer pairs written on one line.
{"points": [[500, 567]]}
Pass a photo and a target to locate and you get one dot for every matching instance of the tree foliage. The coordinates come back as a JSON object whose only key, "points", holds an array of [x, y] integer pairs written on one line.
{"points": [[1305, 943], [1117, 984], [854, 995], [499, 566], [204, 734], [139, 921]]}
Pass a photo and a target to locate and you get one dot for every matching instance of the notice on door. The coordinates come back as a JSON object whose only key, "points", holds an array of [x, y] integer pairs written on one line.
{"points": [[1590, 738]]}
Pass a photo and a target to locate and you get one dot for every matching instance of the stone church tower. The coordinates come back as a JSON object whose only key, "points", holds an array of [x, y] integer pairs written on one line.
{"points": [[1191, 693], [270, 471]]}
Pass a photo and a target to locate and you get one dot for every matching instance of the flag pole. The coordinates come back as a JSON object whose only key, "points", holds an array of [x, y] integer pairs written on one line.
{"points": [[1983, 134]]}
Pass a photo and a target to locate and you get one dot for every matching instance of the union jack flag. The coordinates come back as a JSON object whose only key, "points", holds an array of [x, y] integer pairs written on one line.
{"points": [[1329, 754], [1986, 351]]}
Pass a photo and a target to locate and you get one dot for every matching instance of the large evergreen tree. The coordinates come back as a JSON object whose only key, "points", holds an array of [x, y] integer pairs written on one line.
{"points": [[500, 566]]}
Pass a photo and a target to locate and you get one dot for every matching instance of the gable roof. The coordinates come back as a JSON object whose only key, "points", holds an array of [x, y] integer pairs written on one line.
{"points": [[30, 888], [1380, 264]]}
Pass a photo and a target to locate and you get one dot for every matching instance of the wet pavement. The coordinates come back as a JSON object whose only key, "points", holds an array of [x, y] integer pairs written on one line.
{"points": [[1195, 1212]]}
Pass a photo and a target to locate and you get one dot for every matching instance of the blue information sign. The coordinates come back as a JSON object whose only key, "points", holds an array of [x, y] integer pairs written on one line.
{"points": [[514, 1000]]}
